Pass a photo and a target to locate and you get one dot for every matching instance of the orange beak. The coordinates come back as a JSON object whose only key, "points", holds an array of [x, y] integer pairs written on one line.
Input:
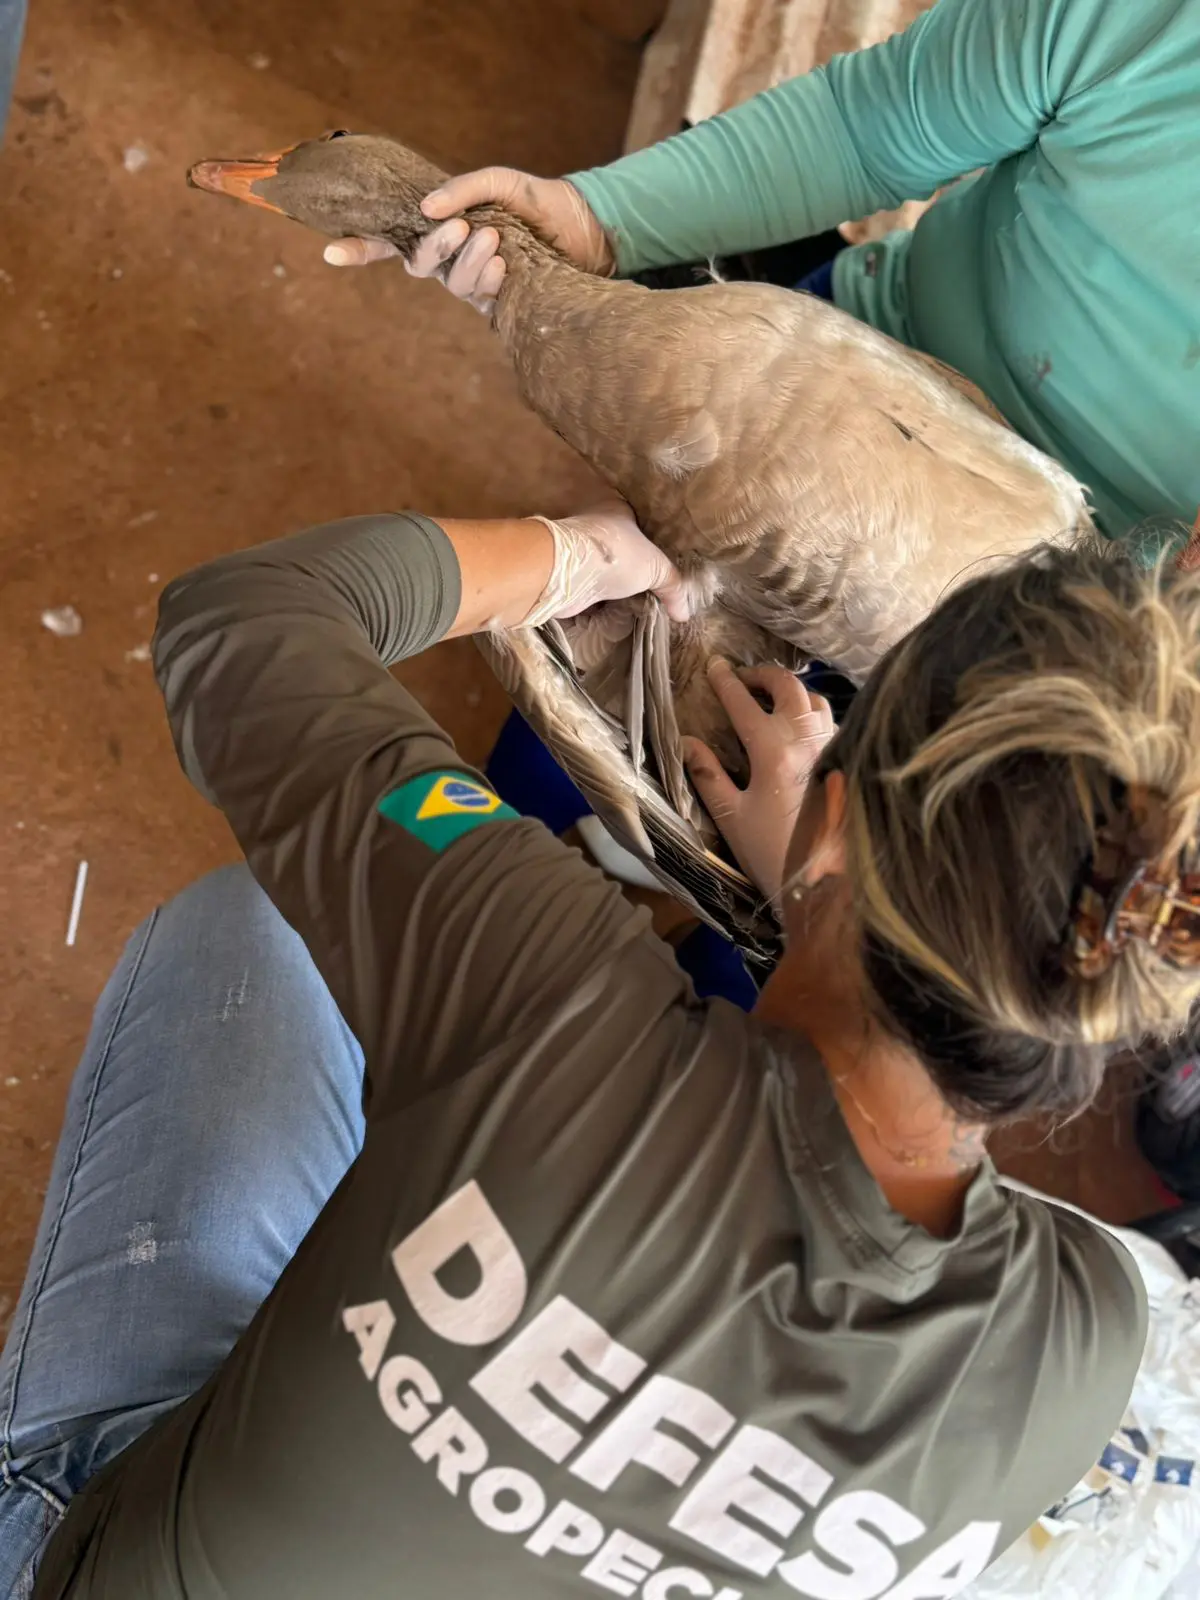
{"points": [[237, 178]]}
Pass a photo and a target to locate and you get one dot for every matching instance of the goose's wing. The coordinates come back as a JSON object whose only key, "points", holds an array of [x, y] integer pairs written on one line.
{"points": [[594, 748], [650, 668]]}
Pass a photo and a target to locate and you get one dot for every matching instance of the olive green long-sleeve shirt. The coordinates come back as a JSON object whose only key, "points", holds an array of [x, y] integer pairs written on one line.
{"points": [[609, 1303], [1063, 280]]}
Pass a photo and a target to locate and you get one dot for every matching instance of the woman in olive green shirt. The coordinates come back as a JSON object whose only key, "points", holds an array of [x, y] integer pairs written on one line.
{"points": [[414, 1230]]}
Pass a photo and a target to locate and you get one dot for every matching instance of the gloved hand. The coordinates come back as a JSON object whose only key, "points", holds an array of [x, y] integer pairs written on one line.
{"points": [[552, 205], [603, 555], [783, 745]]}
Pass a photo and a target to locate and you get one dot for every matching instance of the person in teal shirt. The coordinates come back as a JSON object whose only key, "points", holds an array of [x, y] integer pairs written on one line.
{"points": [[1063, 278]]}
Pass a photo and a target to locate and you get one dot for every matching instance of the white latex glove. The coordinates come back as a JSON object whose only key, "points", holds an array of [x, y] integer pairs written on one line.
{"points": [[783, 745], [603, 555], [552, 205]]}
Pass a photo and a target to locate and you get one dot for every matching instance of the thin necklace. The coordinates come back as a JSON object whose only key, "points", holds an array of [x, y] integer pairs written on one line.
{"points": [[906, 1158]]}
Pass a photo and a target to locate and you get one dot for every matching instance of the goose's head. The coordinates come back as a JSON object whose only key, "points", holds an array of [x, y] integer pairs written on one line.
{"points": [[341, 184]]}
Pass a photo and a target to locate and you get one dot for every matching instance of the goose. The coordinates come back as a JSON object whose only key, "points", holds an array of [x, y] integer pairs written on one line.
{"points": [[819, 486]]}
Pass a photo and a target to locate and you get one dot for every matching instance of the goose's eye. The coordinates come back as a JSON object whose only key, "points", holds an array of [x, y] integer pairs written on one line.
{"points": [[339, 133]]}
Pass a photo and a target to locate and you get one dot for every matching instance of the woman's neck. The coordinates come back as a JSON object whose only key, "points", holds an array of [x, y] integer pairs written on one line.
{"points": [[922, 1155]]}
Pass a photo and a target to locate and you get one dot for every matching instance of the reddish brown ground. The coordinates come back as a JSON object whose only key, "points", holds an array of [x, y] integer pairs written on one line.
{"points": [[180, 377]]}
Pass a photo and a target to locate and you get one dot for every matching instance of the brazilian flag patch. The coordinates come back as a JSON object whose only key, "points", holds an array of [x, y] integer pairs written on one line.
{"points": [[441, 806]]}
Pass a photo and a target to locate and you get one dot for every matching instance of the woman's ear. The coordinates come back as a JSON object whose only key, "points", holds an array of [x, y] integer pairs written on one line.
{"points": [[818, 847], [826, 857]]}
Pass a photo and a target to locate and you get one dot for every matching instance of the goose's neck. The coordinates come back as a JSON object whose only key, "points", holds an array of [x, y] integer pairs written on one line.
{"points": [[535, 269], [540, 285]]}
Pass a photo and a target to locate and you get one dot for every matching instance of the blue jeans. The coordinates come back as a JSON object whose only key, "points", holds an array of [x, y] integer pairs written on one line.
{"points": [[12, 27], [216, 1108]]}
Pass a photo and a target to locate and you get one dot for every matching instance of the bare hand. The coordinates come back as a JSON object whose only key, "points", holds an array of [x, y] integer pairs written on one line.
{"points": [[783, 745], [554, 206]]}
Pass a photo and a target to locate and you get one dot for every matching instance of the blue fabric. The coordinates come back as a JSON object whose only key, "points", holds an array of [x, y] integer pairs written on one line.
{"points": [[526, 776], [716, 968], [831, 685], [819, 282], [12, 27], [216, 1108]]}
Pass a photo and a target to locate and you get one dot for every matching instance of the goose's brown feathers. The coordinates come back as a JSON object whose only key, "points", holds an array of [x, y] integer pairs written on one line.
{"points": [[820, 485]]}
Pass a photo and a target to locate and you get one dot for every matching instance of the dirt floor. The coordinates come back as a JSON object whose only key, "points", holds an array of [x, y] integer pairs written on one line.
{"points": [[180, 377]]}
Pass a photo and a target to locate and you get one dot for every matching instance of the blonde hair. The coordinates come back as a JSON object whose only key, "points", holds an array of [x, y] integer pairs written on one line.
{"points": [[978, 760]]}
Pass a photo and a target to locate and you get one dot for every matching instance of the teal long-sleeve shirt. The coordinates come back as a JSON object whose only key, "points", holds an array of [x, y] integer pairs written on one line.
{"points": [[1064, 279]]}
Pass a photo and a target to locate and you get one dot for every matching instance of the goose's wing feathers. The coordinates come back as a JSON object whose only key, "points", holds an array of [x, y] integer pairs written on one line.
{"points": [[593, 747], [655, 724], [535, 667]]}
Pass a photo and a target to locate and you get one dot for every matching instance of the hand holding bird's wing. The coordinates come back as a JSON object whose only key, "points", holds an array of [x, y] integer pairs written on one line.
{"points": [[603, 555], [783, 745]]}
